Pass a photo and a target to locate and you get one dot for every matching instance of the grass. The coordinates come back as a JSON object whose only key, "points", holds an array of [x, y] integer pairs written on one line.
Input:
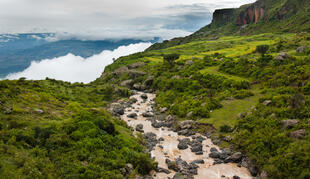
{"points": [[214, 71], [228, 114]]}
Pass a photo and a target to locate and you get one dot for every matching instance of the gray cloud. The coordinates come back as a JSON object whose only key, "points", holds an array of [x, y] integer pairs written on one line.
{"points": [[103, 19]]}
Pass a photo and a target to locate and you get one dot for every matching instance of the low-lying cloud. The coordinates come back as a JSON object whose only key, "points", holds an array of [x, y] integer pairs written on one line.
{"points": [[75, 68]]}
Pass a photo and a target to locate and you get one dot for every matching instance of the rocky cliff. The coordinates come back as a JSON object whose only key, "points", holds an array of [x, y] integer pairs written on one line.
{"points": [[223, 16], [252, 14]]}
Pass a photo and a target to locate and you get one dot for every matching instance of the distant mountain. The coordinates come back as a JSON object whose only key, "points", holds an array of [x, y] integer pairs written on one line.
{"points": [[18, 50], [260, 17]]}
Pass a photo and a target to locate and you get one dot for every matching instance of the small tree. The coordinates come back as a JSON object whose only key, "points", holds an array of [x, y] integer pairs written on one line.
{"points": [[171, 58], [262, 49]]}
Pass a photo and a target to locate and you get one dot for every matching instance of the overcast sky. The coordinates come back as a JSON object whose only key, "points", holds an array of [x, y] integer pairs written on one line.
{"points": [[101, 19]]}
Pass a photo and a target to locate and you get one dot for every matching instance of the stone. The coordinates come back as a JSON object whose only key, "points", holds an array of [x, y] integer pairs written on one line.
{"points": [[119, 109], [213, 149], [236, 157], [139, 87], [162, 110], [196, 148], [214, 154], [263, 174], [302, 49], [133, 100], [189, 62], [199, 153], [143, 96], [198, 161], [147, 114], [183, 144], [299, 134], [190, 114], [267, 102], [129, 168], [163, 170], [236, 177], [39, 111], [178, 176], [8, 110], [139, 128], [289, 123], [132, 115], [284, 55], [241, 115], [127, 83], [136, 65]]}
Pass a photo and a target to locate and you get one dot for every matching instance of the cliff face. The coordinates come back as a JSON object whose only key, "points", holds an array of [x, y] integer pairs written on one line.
{"points": [[223, 16], [252, 14]]}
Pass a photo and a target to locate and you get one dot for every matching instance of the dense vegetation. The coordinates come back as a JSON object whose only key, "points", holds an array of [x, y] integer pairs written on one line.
{"points": [[246, 87], [54, 129]]}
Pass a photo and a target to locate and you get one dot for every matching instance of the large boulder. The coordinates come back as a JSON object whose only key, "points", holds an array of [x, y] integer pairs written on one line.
{"points": [[127, 83], [133, 74], [299, 134], [289, 123], [183, 144], [139, 128], [132, 115], [302, 49], [136, 65], [118, 109]]}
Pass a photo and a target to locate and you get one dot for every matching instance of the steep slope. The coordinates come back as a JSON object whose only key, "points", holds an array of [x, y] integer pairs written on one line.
{"points": [[263, 16]]}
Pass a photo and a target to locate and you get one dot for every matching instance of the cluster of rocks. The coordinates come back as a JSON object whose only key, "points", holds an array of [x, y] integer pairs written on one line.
{"points": [[151, 140], [182, 167], [195, 144]]}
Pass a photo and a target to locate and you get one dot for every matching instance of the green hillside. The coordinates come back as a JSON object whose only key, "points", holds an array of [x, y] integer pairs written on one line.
{"points": [[247, 98]]}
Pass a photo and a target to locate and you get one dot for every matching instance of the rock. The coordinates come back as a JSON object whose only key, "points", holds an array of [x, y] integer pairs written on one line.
{"points": [[135, 74], [302, 49], [227, 138], [267, 102], [236, 177], [160, 146], [308, 121], [162, 110], [200, 139], [149, 81], [186, 124], [284, 55], [139, 128], [189, 62], [215, 154], [139, 87], [217, 161], [127, 83], [147, 114], [161, 139], [123, 171], [8, 110], [289, 123], [129, 168], [299, 134], [162, 170], [132, 115], [143, 96], [279, 58], [133, 100], [120, 71], [183, 144], [190, 114], [236, 157], [213, 149], [118, 109], [39, 111], [199, 161], [199, 153], [196, 148]]}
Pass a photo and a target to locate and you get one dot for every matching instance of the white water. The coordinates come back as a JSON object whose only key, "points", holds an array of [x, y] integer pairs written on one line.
{"points": [[171, 151]]}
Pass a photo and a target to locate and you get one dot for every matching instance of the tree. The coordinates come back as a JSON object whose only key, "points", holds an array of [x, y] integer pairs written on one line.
{"points": [[171, 58], [262, 49]]}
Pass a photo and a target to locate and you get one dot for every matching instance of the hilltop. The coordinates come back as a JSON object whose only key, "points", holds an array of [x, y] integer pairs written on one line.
{"points": [[263, 16]]}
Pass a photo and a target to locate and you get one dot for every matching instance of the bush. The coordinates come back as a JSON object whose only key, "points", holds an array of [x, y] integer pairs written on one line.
{"points": [[262, 49], [171, 58]]}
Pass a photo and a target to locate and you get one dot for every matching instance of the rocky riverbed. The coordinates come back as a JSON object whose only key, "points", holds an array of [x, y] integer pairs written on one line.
{"points": [[180, 152]]}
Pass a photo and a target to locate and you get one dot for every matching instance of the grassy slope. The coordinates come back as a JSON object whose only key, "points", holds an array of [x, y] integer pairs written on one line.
{"points": [[216, 70]]}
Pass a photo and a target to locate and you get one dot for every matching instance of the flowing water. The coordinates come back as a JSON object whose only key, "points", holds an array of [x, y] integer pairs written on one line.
{"points": [[168, 148]]}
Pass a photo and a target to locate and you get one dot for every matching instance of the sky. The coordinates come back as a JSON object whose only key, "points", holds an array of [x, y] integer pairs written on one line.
{"points": [[110, 19]]}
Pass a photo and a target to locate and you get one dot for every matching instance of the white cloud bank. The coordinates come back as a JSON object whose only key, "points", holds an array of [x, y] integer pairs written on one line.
{"points": [[75, 68]]}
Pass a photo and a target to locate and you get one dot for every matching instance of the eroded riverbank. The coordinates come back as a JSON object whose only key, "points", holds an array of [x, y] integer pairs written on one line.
{"points": [[179, 152]]}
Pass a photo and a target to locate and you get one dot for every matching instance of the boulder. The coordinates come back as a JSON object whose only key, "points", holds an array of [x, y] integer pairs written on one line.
{"points": [[133, 74], [302, 49], [267, 102], [39, 111], [236, 157], [120, 71], [299, 134], [196, 148], [289, 123], [133, 100], [147, 114], [284, 55], [190, 114], [119, 109], [129, 168], [236, 177], [183, 144], [189, 62], [143, 96], [241, 115], [139, 87], [8, 110], [162, 110], [139, 128], [127, 83], [215, 154], [149, 81], [163, 170], [198, 161], [132, 115]]}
